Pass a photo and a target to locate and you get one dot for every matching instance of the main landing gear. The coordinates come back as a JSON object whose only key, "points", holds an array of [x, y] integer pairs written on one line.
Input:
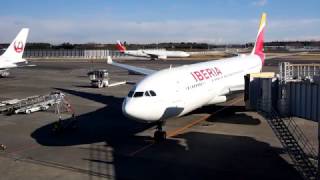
{"points": [[160, 134]]}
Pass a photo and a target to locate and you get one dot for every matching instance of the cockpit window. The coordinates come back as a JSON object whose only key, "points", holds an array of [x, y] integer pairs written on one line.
{"points": [[147, 93], [152, 93], [138, 94], [130, 94]]}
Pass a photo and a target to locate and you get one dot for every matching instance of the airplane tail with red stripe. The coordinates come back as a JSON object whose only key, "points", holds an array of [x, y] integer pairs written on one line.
{"points": [[258, 47], [121, 47]]}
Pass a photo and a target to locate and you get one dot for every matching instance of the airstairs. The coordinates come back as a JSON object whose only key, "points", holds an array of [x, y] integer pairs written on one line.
{"points": [[31, 104], [302, 153]]}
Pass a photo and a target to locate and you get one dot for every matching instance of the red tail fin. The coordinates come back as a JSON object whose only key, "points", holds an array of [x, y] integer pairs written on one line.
{"points": [[258, 47], [120, 47]]}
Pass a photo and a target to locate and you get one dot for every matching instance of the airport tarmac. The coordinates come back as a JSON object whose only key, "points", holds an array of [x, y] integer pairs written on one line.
{"points": [[216, 142]]}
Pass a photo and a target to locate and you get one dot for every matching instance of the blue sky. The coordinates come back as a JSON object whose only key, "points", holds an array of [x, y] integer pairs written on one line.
{"points": [[104, 21]]}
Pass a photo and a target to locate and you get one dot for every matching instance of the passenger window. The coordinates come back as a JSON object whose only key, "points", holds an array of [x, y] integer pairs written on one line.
{"points": [[147, 93], [130, 94], [152, 93], [138, 94]]}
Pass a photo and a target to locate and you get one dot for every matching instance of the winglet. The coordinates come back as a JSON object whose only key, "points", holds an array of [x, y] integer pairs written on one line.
{"points": [[109, 60], [258, 47]]}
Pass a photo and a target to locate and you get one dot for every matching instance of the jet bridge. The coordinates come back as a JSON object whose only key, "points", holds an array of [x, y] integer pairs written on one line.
{"points": [[293, 93]]}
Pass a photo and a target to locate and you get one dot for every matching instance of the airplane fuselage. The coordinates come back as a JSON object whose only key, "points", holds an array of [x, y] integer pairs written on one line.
{"points": [[154, 53], [7, 63], [137, 53], [180, 90]]}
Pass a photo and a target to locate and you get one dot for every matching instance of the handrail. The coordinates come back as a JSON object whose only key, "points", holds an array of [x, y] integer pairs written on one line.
{"points": [[298, 147], [291, 125]]}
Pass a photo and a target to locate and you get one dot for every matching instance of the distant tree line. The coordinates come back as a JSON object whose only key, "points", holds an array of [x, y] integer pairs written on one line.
{"points": [[294, 43], [187, 46]]}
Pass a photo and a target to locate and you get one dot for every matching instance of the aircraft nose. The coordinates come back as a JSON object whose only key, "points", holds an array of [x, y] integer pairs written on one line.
{"points": [[140, 111], [127, 109]]}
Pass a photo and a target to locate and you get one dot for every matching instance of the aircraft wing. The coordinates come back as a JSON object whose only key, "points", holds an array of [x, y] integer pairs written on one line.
{"points": [[27, 65], [152, 55], [137, 70], [232, 53], [18, 66], [156, 54]]}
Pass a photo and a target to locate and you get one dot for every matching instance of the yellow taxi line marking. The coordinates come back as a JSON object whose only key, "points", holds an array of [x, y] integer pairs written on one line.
{"points": [[203, 118], [179, 130]]}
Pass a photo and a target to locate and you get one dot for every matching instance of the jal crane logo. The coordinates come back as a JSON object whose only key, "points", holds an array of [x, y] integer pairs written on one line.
{"points": [[18, 46]]}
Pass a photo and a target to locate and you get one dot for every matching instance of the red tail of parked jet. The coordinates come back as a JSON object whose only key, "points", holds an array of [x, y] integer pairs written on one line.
{"points": [[121, 47], [258, 47]]}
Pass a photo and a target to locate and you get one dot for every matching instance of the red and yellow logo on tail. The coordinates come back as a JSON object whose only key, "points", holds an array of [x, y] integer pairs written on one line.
{"points": [[258, 48]]}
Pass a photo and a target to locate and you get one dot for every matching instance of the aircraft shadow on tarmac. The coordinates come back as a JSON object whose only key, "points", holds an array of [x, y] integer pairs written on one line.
{"points": [[8, 77], [84, 86], [203, 155], [108, 122], [103, 124], [231, 115]]}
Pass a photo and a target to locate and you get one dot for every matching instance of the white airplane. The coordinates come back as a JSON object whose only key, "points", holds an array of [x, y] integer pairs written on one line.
{"points": [[176, 91], [12, 57], [151, 53]]}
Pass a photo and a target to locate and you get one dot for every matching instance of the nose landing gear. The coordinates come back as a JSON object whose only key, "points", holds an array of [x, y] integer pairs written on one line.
{"points": [[160, 134]]}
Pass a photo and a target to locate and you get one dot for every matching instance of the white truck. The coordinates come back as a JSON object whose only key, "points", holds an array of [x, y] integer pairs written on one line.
{"points": [[100, 78]]}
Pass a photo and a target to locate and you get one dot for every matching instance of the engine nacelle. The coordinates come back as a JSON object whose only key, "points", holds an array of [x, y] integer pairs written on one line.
{"points": [[162, 57], [218, 99], [4, 74]]}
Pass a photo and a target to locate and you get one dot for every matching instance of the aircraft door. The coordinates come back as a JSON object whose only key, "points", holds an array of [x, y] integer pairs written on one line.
{"points": [[179, 97]]}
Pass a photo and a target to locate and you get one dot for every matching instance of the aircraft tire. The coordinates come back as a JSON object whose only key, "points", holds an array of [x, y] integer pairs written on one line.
{"points": [[160, 136]]}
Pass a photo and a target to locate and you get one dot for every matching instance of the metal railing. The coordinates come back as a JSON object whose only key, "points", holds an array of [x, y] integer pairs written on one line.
{"points": [[292, 138], [292, 72], [77, 53]]}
